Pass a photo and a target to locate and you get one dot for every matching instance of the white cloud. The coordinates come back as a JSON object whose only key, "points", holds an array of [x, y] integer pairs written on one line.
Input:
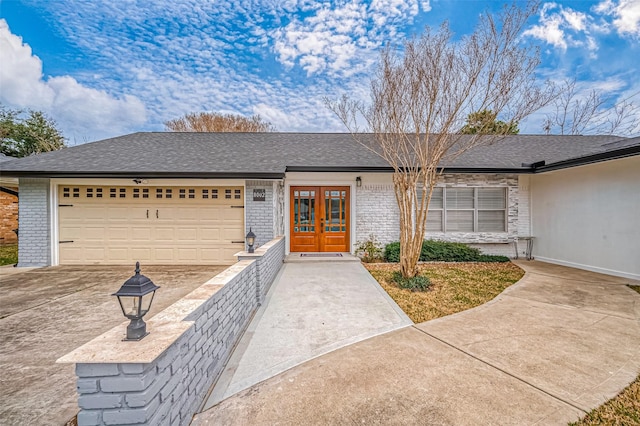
{"points": [[626, 15], [339, 39], [563, 27], [549, 29], [81, 112]]}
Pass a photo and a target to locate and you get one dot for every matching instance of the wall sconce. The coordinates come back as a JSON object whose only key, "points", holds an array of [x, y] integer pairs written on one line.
{"points": [[135, 298], [358, 181], [251, 240]]}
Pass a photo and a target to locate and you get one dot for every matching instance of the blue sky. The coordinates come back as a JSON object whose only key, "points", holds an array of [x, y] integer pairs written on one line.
{"points": [[105, 68]]}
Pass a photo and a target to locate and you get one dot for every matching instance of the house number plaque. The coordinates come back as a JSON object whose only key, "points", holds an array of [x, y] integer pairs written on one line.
{"points": [[259, 195]]}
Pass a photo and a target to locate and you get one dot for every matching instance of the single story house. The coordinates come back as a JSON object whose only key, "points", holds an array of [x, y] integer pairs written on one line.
{"points": [[163, 198]]}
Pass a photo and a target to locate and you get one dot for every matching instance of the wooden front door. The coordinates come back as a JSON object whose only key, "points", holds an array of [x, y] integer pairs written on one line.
{"points": [[319, 218]]}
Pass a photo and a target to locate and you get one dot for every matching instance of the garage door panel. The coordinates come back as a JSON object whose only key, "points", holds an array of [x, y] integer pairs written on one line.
{"points": [[164, 254], [94, 254], [141, 254], [94, 234], [120, 228], [164, 235], [186, 234], [118, 233], [210, 234], [231, 234], [141, 234], [118, 254]]}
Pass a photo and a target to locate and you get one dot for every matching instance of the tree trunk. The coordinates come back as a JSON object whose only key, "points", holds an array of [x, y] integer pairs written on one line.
{"points": [[411, 233]]}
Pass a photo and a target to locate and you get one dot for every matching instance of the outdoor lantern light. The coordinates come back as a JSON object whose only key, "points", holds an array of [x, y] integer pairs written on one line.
{"points": [[251, 240], [358, 181], [135, 297]]}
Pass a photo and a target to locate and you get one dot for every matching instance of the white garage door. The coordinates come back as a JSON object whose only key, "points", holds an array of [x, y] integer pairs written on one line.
{"points": [[153, 225]]}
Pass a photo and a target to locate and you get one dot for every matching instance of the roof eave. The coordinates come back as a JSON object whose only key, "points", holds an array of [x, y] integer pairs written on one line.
{"points": [[590, 159], [145, 175], [387, 169]]}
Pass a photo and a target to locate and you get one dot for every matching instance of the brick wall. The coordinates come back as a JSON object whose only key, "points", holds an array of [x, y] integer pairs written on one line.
{"points": [[270, 257], [377, 212], [260, 214], [170, 389], [34, 247], [8, 217]]}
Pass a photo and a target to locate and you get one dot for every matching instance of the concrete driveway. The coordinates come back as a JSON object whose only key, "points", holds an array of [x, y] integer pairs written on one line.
{"points": [[550, 348], [47, 312]]}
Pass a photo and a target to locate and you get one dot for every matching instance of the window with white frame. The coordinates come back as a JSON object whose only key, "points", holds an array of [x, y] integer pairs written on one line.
{"points": [[464, 209]]}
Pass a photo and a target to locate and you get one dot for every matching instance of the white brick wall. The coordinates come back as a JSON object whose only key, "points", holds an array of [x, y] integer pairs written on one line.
{"points": [[261, 215], [33, 223], [377, 213]]}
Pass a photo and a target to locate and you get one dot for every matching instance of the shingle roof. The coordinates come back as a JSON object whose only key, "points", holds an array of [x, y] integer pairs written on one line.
{"points": [[272, 154]]}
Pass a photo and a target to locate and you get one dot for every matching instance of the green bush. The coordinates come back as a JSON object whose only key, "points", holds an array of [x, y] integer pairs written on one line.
{"points": [[492, 258], [392, 252], [417, 283], [442, 251]]}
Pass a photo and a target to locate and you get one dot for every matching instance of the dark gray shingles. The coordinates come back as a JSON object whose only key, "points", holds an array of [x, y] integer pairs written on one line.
{"points": [[219, 153]]}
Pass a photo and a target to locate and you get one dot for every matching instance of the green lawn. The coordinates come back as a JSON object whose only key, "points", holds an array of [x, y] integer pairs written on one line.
{"points": [[8, 254], [455, 287]]}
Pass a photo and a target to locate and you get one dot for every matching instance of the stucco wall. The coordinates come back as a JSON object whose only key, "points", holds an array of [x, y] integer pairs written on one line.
{"points": [[587, 217]]}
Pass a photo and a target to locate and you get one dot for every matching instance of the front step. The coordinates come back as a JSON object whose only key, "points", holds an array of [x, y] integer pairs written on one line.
{"points": [[320, 257]]}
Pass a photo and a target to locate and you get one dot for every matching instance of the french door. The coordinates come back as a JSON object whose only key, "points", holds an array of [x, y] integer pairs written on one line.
{"points": [[319, 219]]}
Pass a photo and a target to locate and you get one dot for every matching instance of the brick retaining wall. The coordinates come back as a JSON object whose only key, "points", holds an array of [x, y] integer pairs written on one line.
{"points": [[163, 379]]}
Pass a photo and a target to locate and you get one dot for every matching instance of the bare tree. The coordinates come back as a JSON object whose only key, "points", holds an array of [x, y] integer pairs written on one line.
{"points": [[576, 113], [217, 122], [421, 98]]}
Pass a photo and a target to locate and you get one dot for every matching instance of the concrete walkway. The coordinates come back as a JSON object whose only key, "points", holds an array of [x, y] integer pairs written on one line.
{"points": [[550, 348], [315, 306]]}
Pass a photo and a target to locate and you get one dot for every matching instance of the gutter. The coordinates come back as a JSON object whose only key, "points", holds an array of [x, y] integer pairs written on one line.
{"points": [[589, 159], [9, 191]]}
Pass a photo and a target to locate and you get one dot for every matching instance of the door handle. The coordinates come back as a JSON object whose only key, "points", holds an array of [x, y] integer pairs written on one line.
{"points": [[157, 217], [147, 213]]}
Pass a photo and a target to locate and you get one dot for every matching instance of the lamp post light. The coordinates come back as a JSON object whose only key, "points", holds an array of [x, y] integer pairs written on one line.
{"points": [[135, 298], [251, 240]]}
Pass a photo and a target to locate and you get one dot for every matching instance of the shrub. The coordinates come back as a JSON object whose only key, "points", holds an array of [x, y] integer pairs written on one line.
{"points": [[417, 283], [370, 250], [392, 252], [443, 251], [492, 258]]}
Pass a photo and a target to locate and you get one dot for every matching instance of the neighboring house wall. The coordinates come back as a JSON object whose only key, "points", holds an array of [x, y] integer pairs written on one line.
{"points": [[260, 216], [587, 217], [377, 211], [8, 216], [34, 246]]}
